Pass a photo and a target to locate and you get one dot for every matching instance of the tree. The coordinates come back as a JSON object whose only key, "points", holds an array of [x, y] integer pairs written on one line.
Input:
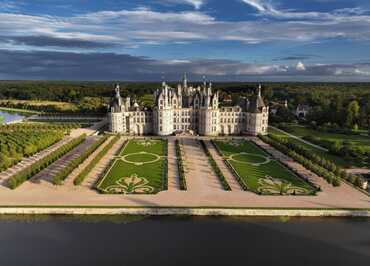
{"points": [[352, 113]]}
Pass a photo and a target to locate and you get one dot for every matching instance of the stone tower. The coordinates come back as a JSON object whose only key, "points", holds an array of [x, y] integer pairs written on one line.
{"points": [[163, 111], [257, 115]]}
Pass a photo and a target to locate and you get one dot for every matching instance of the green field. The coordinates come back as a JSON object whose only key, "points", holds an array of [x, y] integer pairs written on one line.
{"points": [[259, 172], [301, 131], [138, 169]]}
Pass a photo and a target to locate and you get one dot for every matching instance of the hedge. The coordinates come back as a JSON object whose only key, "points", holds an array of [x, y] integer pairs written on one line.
{"points": [[83, 174], [108, 167], [73, 164], [241, 182], [165, 166], [25, 174], [304, 157], [215, 167], [180, 166]]}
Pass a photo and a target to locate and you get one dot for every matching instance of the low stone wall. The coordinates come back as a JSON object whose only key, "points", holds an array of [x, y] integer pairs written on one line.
{"points": [[185, 211]]}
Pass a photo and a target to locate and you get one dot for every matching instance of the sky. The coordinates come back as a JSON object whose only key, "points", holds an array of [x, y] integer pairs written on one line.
{"points": [[152, 40]]}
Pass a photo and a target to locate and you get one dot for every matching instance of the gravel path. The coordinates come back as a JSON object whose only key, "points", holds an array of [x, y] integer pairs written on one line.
{"points": [[224, 169]]}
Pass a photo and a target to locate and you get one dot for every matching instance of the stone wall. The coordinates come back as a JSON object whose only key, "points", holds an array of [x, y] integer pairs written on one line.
{"points": [[185, 211]]}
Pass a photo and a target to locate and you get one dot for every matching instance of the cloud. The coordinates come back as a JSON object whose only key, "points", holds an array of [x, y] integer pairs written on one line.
{"points": [[339, 15], [197, 4], [300, 67], [111, 66], [48, 41]]}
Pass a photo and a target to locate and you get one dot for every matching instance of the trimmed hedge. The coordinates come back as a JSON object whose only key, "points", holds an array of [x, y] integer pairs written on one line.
{"points": [[64, 173], [333, 173], [108, 167], [180, 166], [82, 175], [165, 166], [305, 157], [242, 184], [25, 174], [215, 167]]}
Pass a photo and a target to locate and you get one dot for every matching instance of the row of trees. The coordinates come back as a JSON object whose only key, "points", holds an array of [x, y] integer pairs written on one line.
{"points": [[74, 163], [38, 126], [180, 165], [83, 174], [165, 166], [15, 145], [317, 164], [25, 174], [215, 167], [341, 148]]}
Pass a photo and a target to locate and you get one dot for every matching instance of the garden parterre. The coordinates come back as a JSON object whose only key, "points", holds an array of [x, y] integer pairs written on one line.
{"points": [[141, 168], [258, 171]]}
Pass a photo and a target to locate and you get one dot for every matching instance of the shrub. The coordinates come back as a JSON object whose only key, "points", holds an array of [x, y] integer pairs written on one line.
{"points": [[25, 174], [73, 164], [215, 167], [180, 166], [311, 161], [79, 179]]}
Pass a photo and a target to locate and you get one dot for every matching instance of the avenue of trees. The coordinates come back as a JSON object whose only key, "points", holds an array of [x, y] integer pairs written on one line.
{"points": [[15, 145], [180, 165], [317, 164], [28, 172], [74, 163]]}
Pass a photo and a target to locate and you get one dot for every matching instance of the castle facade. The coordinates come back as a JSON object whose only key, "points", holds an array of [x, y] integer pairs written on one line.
{"points": [[188, 109]]}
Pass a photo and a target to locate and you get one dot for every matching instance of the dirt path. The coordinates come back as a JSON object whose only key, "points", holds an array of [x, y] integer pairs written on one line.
{"points": [[98, 170], [199, 175], [173, 175], [224, 169]]}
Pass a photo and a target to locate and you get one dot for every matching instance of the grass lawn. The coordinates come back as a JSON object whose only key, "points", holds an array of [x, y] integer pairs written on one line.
{"points": [[358, 140], [259, 171], [137, 169]]}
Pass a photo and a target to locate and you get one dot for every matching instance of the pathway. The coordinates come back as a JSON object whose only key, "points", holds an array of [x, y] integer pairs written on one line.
{"points": [[233, 183], [98, 170], [46, 175], [69, 180], [30, 160], [300, 139], [173, 173], [199, 174]]}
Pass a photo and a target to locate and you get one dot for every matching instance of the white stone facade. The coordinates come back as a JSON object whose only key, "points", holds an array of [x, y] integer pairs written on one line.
{"points": [[188, 110]]}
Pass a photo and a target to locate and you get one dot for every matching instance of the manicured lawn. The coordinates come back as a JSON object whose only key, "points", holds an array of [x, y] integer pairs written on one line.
{"points": [[259, 171], [301, 131], [138, 168]]}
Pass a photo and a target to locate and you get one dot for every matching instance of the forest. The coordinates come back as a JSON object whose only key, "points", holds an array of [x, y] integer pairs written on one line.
{"points": [[333, 104]]}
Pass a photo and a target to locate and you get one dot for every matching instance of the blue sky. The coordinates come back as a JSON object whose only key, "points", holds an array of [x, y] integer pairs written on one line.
{"points": [[241, 40]]}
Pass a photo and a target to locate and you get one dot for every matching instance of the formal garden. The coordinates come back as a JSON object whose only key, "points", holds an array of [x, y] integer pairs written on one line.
{"points": [[257, 171], [140, 168]]}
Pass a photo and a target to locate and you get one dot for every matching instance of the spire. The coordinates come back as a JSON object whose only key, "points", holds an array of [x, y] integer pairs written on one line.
{"points": [[204, 81], [117, 90], [259, 90], [185, 80]]}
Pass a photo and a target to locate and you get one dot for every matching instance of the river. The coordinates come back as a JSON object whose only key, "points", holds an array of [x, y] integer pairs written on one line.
{"points": [[108, 241], [11, 116]]}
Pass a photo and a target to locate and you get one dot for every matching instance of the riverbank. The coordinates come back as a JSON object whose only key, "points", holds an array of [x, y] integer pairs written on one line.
{"points": [[186, 211]]}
